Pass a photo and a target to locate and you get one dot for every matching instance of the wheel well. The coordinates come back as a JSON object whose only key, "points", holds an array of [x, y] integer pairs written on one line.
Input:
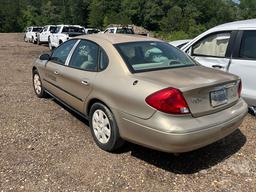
{"points": [[91, 102]]}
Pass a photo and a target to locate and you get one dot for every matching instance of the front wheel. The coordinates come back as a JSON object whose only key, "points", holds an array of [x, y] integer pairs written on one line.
{"points": [[104, 128], [38, 41], [37, 84]]}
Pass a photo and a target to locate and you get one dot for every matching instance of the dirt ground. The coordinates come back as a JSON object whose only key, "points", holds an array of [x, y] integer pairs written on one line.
{"points": [[45, 147]]}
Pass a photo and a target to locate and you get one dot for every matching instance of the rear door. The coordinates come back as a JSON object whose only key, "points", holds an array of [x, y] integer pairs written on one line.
{"points": [[244, 64], [53, 77], [213, 50], [80, 73]]}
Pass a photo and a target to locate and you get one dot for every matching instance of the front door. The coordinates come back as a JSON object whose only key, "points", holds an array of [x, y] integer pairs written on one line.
{"points": [[55, 67], [211, 51]]}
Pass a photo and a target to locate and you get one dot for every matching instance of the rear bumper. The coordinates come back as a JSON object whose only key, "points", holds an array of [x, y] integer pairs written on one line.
{"points": [[181, 134]]}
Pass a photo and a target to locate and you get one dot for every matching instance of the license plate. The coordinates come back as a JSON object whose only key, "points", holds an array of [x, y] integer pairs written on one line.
{"points": [[219, 97]]}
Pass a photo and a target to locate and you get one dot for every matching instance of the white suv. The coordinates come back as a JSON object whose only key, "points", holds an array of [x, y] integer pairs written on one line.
{"points": [[44, 35], [63, 32], [230, 47], [31, 34]]}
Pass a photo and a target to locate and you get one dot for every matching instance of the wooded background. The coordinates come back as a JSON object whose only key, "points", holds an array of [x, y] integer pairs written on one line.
{"points": [[169, 19]]}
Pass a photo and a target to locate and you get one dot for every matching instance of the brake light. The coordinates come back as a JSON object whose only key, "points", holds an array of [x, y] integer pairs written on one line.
{"points": [[239, 89], [169, 100]]}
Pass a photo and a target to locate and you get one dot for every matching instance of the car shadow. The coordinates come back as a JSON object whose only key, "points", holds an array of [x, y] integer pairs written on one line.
{"points": [[194, 161], [184, 163]]}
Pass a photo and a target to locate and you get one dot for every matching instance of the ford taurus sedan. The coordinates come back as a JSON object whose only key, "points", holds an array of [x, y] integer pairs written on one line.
{"points": [[142, 90]]}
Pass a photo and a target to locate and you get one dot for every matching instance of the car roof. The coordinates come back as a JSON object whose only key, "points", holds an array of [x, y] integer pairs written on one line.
{"points": [[117, 38], [236, 25]]}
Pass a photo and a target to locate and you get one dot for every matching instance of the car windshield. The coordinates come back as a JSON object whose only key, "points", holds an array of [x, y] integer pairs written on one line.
{"points": [[150, 56], [36, 29], [53, 29], [125, 31], [73, 29]]}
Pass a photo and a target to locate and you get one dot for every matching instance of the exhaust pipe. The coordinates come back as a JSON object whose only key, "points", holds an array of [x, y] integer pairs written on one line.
{"points": [[252, 110]]}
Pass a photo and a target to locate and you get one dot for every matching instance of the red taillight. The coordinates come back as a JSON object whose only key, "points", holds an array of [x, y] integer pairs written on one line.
{"points": [[169, 100], [239, 89]]}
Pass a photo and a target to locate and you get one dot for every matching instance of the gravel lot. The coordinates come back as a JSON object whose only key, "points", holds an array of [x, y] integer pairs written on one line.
{"points": [[45, 147]]}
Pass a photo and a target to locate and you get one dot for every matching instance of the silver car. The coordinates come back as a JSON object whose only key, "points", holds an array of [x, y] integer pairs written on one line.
{"points": [[230, 47]]}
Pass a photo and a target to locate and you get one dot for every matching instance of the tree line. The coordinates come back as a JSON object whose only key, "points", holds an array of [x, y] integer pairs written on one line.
{"points": [[167, 18]]}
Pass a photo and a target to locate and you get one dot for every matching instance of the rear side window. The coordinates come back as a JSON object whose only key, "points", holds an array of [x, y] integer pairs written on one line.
{"points": [[213, 45], [103, 60], [248, 45]]}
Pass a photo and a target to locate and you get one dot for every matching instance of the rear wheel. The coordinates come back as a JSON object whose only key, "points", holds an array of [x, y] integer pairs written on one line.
{"points": [[104, 128], [37, 84]]}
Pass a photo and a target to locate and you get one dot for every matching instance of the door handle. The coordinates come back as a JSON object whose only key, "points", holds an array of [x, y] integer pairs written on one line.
{"points": [[56, 72], [217, 66], [85, 82]]}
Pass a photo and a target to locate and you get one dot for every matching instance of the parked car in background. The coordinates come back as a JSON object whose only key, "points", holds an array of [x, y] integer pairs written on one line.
{"points": [[91, 30], [179, 43], [64, 32], [119, 29], [44, 35], [230, 47], [31, 34], [170, 104]]}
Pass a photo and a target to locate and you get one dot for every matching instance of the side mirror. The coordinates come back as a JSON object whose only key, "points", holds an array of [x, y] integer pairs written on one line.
{"points": [[45, 57]]}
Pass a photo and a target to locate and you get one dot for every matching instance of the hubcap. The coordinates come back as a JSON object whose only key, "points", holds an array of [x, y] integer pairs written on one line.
{"points": [[37, 84], [101, 126]]}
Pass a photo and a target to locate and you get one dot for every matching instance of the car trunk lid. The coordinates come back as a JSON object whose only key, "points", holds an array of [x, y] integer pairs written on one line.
{"points": [[205, 90]]}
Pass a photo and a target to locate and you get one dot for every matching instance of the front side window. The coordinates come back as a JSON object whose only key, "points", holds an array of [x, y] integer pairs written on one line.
{"points": [[61, 53], [85, 56], [214, 45], [149, 56], [248, 45], [57, 30]]}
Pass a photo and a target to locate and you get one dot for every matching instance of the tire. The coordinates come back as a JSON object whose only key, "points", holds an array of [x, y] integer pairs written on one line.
{"points": [[50, 45], [25, 39], [104, 128], [38, 86], [38, 41]]}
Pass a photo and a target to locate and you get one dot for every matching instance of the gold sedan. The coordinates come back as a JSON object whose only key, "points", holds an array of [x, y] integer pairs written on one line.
{"points": [[142, 90]]}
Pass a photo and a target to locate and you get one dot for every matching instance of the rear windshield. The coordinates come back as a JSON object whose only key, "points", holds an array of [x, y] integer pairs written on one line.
{"points": [[150, 56], [36, 29], [73, 29]]}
